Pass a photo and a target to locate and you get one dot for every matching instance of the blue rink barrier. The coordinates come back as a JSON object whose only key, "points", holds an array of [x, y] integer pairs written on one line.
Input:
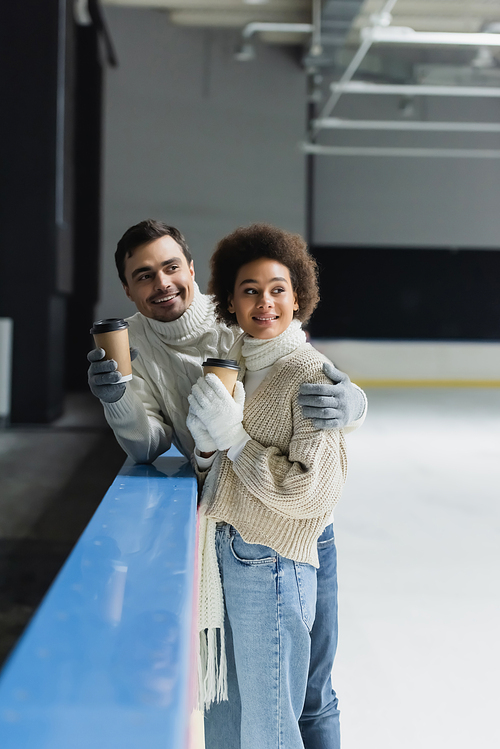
{"points": [[106, 661]]}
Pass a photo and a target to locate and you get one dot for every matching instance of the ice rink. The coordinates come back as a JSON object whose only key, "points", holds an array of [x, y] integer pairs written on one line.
{"points": [[418, 536]]}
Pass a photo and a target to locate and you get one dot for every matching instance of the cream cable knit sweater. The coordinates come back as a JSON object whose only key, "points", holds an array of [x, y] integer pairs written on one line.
{"points": [[280, 491], [152, 413]]}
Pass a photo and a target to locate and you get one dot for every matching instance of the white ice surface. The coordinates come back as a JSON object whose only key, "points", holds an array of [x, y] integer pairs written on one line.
{"points": [[418, 535]]}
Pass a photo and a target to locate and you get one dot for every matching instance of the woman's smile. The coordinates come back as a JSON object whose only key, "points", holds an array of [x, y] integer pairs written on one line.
{"points": [[265, 320]]}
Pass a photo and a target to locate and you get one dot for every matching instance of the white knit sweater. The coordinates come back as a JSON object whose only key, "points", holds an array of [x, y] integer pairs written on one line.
{"points": [[152, 413]]}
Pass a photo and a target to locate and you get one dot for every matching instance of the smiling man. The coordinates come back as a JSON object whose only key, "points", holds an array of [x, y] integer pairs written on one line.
{"points": [[174, 330], [159, 279]]}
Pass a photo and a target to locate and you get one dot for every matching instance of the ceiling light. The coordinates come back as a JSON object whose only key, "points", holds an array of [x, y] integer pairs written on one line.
{"points": [[364, 87], [336, 123], [405, 35], [436, 153]]}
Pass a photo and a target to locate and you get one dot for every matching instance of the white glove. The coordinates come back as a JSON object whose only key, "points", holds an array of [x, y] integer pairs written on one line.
{"points": [[220, 414], [202, 439]]}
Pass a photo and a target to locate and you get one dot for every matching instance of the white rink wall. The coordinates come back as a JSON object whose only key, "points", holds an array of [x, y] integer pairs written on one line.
{"points": [[419, 363]]}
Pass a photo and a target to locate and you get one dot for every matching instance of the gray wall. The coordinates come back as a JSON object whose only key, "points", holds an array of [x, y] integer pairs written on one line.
{"points": [[205, 143], [410, 201], [197, 139]]}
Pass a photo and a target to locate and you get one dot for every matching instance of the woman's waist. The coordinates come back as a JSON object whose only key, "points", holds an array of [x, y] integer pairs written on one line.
{"points": [[293, 538], [325, 536]]}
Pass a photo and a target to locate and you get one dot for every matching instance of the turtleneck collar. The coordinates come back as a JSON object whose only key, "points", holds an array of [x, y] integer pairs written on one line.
{"points": [[259, 353], [196, 319]]}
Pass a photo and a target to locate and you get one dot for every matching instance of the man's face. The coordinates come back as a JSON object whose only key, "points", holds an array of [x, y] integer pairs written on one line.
{"points": [[160, 280]]}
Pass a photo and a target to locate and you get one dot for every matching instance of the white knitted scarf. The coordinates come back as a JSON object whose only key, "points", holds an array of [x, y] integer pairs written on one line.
{"points": [[260, 353], [175, 355], [212, 668]]}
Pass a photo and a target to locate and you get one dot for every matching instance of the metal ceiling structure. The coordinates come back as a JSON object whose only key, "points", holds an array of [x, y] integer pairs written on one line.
{"points": [[339, 18], [408, 48], [378, 31]]}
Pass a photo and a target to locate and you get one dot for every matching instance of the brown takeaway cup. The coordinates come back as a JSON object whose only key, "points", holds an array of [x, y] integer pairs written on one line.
{"points": [[225, 369], [112, 336]]}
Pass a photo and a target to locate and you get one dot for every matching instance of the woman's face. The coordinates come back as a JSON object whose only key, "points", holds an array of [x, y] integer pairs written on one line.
{"points": [[263, 299]]}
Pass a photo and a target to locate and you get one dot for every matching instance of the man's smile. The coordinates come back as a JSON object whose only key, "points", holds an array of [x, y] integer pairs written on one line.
{"points": [[166, 298]]}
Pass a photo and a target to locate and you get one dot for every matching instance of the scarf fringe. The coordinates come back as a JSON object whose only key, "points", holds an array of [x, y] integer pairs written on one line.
{"points": [[212, 665], [212, 668]]}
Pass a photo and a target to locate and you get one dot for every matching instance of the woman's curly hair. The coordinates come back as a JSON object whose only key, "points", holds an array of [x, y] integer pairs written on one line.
{"points": [[249, 243]]}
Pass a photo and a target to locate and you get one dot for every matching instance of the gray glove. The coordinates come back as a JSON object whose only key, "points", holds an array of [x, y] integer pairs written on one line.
{"points": [[332, 406], [104, 376]]}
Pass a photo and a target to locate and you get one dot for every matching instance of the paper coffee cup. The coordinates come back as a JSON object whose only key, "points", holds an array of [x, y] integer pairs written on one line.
{"points": [[225, 369], [112, 336]]}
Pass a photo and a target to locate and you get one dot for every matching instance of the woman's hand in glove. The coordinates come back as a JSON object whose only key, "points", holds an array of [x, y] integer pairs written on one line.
{"points": [[221, 415], [202, 439]]}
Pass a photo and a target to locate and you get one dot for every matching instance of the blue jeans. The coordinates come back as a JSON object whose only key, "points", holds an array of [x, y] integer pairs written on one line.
{"points": [[281, 638]]}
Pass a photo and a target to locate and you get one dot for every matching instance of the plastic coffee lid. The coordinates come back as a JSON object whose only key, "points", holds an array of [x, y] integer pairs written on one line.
{"points": [[226, 363], [108, 325]]}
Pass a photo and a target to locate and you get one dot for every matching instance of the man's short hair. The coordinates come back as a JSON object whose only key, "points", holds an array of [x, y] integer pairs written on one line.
{"points": [[143, 233]]}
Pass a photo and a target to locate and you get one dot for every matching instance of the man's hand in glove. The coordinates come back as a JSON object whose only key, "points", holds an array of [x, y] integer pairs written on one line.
{"points": [[332, 406], [104, 375], [220, 414]]}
